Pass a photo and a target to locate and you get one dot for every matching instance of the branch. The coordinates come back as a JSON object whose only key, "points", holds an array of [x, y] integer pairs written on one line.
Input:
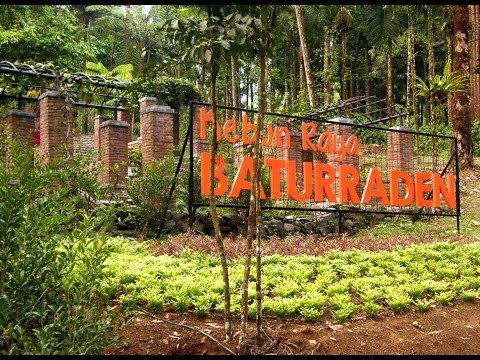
{"points": [[185, 326]]}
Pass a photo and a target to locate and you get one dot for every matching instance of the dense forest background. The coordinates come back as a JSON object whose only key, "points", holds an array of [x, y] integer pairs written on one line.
{"points": [[318, 55]]}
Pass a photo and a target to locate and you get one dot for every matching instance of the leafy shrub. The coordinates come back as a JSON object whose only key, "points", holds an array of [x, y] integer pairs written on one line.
{"points": [[149, 194], [52, 253]]}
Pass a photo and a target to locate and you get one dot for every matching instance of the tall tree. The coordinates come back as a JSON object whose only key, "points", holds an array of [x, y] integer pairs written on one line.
{"points": [[342, 21], [474, 12], [462, 121], [305, 54], [383, 27]]}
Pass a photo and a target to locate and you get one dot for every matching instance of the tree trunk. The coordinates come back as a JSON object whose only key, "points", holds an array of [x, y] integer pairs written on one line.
{"points": [[474, 60], [215, 67], [293, 74], [409, 63], [431, 75], [235, 84], [306, 56], [201, 83], [326, 67], [344, 64], [302, 75], [367, 72], [356, 78], [461, 121], [389, 81], [450, 95], [411, 84]]}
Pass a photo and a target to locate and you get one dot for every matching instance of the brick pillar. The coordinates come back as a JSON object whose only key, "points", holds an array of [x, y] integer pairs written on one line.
{"points": [[56, 127], [400, 153], [199, 146], [157, 138], [96, 135], [143, 104], [126, 115], [342, 126], [114, 146], [17, 125]]}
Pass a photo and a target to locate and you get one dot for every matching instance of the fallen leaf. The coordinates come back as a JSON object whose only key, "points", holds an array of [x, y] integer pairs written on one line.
{"points": [[313, 342], [165, 341], [335, 327]]}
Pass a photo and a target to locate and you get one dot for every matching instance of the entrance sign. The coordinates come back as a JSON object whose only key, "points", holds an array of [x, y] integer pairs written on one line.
{"points": [[322, 165]]}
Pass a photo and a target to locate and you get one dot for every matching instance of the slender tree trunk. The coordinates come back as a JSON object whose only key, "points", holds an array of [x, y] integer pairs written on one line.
{"points": [[326, 67], [258, 170], [344, 64], [409, 62], [474, 60], [215, 67], [306, 56], [431, 75], [461, 121], [367, 72], [450, 95], [234, 78], [390, 103], [350, 79], [302, 74], [293, 74], [411, 87], [356, 78], [201, 83]]}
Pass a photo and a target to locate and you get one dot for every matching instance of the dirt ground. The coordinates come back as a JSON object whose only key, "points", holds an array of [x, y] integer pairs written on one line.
{"points": [[442, 330]]}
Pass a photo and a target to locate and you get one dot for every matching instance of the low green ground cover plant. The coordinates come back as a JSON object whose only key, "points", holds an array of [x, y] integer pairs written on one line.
{"points": [[339, 284]]}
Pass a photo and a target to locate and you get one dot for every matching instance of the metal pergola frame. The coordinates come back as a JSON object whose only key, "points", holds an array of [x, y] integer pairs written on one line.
{"points": [[116, 94]]}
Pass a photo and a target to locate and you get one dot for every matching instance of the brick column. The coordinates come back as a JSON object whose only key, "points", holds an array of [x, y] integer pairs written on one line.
{"points": [[126, 115], [114, 152], [56, 127], [143, 104], [400, 149], [96, 135], [17, 125], [157, 138], [199, 146], [400, 154], [342, 126]]}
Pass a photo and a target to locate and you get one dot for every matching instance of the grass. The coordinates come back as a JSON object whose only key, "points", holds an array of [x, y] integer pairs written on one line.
{"points": [[338, 284]]}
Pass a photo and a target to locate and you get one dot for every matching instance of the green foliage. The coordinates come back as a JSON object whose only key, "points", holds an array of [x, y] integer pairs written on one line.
{"points": [[149, 194], [52, 253], [371, 309], [123, 71], [441, 85]]}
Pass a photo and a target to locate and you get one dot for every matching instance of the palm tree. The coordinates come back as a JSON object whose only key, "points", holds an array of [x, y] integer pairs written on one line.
{"points": [[342, 22], [383, 27]]}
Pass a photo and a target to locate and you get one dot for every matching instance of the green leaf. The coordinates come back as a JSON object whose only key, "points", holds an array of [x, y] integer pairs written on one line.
{"points": [[208, 55], [224, 44]]}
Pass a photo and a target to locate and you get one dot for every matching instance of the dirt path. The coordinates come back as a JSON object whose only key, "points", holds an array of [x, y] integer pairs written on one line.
{"points": [[443, 330]]}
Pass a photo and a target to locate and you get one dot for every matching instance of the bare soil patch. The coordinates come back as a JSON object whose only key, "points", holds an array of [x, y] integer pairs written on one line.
{"points": [[443, 330]]}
